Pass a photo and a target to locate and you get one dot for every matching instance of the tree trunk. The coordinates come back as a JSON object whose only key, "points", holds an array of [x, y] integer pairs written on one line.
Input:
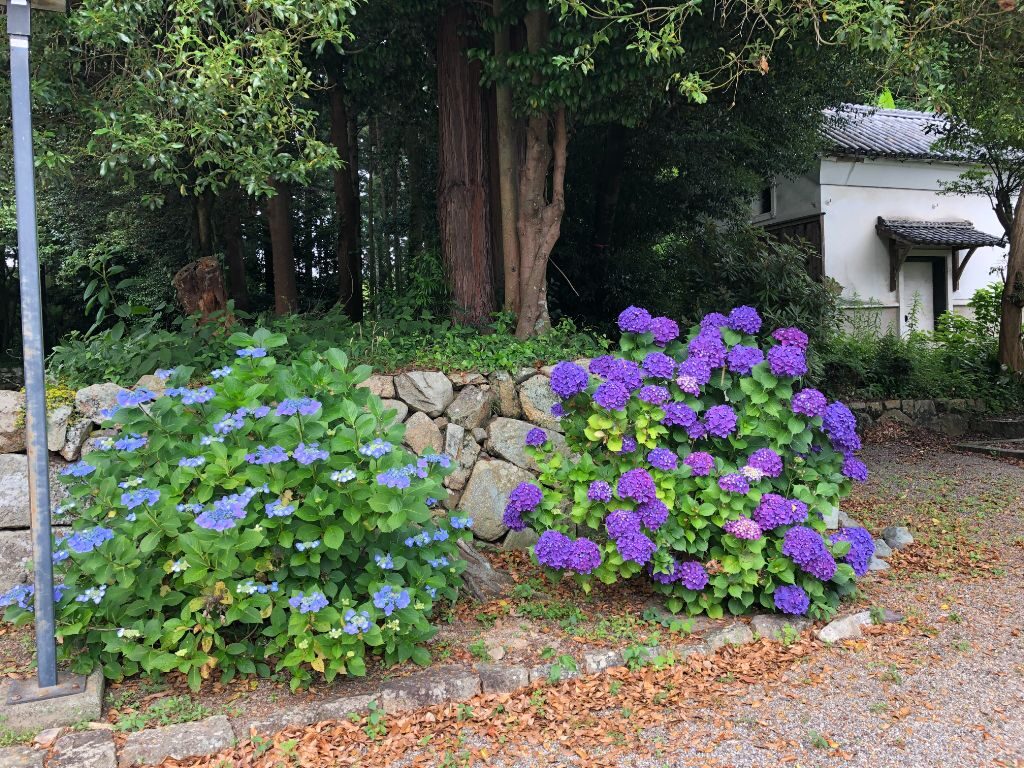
{"points": [[463, 208], [203, 205], [1011, 353], [234, 253], [609, 182], [279, 224], [200, 288], [507, 200], [417, 211], [371, 203]]}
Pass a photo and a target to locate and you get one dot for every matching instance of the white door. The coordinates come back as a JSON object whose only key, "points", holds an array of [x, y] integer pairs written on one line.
{"points": [[917, 297]]}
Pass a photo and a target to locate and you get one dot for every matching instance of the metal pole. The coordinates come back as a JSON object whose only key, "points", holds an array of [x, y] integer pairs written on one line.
{"points": [[18, 30]]}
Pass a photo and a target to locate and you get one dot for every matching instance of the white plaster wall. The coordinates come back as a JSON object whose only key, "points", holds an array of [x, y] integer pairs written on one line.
{"points": [[793, 198]]}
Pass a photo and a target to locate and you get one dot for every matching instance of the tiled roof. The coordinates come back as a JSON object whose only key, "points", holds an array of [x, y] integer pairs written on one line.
{"points": [[948, 234], [874, 132]]}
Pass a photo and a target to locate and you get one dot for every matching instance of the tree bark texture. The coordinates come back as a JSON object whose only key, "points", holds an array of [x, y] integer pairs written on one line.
{"points": [[234, 254], [1011, 353], [507, 201], [200, 288], [463, 205], [203, 205], [279, 224], [346, 208]]}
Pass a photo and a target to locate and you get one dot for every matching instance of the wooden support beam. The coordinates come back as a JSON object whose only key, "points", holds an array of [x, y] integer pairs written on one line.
{"points": [[960, 265], [898, 253]]}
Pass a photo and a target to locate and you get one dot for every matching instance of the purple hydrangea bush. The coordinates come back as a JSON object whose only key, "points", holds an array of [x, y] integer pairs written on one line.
{"points": [[267, 521], [705, 466]]}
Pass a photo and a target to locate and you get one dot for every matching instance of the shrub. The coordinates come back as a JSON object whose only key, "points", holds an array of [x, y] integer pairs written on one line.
{"points": [[264, 522], [705, 466]]}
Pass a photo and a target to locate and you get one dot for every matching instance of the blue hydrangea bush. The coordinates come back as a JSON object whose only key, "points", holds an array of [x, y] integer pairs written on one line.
{"points": [[267, 521], [704, 466]]}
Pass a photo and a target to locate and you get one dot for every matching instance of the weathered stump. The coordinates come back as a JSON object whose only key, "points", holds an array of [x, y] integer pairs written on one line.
{"points": [[200, 287], [480, 580]]}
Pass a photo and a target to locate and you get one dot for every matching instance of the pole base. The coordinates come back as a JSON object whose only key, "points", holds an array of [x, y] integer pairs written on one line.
{"points": [[28, 691]]}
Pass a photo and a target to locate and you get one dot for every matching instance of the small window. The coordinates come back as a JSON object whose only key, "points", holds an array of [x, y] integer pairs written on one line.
{"points": [[767, 200]]}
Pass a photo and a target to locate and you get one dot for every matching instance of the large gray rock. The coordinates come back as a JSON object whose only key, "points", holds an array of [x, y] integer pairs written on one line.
{"points": [[432, 686], [521, 540], [471, 408], [381, 386], [507, 439], [85, 749], [427, 391], [536, 397], [599, 659], [154, 745], [304, 714], [14, 511], [882, 549], [470, 452], [95, 398], [75, 438], [774, 626], [15, 552], [454, 436], [12, 421], [845, 521], [897, 536], [735, 634], [845, 628], [422, 434], [830, 515], [877, 564], [508, 395], [464, 379], [502, 678], [21, 757], [487, 493], [397, 405], [57, 427]]}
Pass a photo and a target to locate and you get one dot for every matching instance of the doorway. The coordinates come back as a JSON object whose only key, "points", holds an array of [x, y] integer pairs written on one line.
{"points": [[922, 292]]}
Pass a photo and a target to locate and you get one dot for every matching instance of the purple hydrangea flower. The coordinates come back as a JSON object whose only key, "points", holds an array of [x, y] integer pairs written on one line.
{"points": [[745, 320], [599, 490], [678, 415], [790, 337], [701, 464], [637, 485], [652, 514], [525, 497], [840, 425], [664, 330], [558, 410], [627, 373], [743, 528], [791, 599], [568, 379], [553, 549], [394, 478], [855, 469], [862, 548], [635, 320], [603, 366], [697, 430], [663, 459], [654, 394], [713, 321], [303, 406], [636, 548], [742, 359], [692, 575], [766, 460], [659, 365], [720, 420], [628, 444], [787, 361], [808, 402], [708, 347], [307, 454], [612, 396], [585, 556], [694, 373], [734, 483], [536, 437], [805, 547], [275, 454], [775, 510], [621, 522]]}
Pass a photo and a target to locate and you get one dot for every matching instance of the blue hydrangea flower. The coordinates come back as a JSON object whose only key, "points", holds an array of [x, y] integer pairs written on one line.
{"points": [[164, 373], [78, 469], [421, 539], [432, 591], [137, 498], [307, 454], [20, 595], [440, 535], [220, 373], [304, 406], [225, 512], [252, 352], [393, 478], [275, 454], [460, 523], [438, 562], [93, 594], [356, 623], [279, 509], [192, 461], [376, 448], [196, 396], [311, 603], [306, 546], [132, 398], [131, 443], [343, 475], [260, 411], [389, 600], [384, 561]]}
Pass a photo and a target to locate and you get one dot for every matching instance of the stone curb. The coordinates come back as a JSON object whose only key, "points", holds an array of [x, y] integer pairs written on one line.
{"points": [[152, 746]]}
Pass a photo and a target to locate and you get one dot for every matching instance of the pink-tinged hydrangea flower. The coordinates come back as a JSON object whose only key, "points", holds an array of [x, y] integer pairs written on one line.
{"points": [[805, 547], [745, 320], [621, 522], [787, 361], [775, 510], [612, 396], [678, 415], [840, 425], [637, 485], [635, 320], [808, 402], [628, 445], [553, 549], [855, 469], [720, 420], [753, 474], [664, 330], [663, 459], [701, 464], [568, 379], [694, 373], [790, 337], [742, 359], [659, 365], [766, 460], [709, 347], [599, 491], [791, 599], [734, 483], [714, 321], [636, 548], [585, 556], [862, 548], [536, 437], [743, 528], [653, 514], [654, 394]]}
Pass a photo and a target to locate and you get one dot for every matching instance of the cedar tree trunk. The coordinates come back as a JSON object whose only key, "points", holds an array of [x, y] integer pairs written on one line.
{"points": [[1011, 354], [505, 129], [279, 224]]}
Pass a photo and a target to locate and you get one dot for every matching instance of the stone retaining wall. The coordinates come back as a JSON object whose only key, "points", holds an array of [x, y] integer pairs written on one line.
{"points": [[951, 417], [479, 421]]}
